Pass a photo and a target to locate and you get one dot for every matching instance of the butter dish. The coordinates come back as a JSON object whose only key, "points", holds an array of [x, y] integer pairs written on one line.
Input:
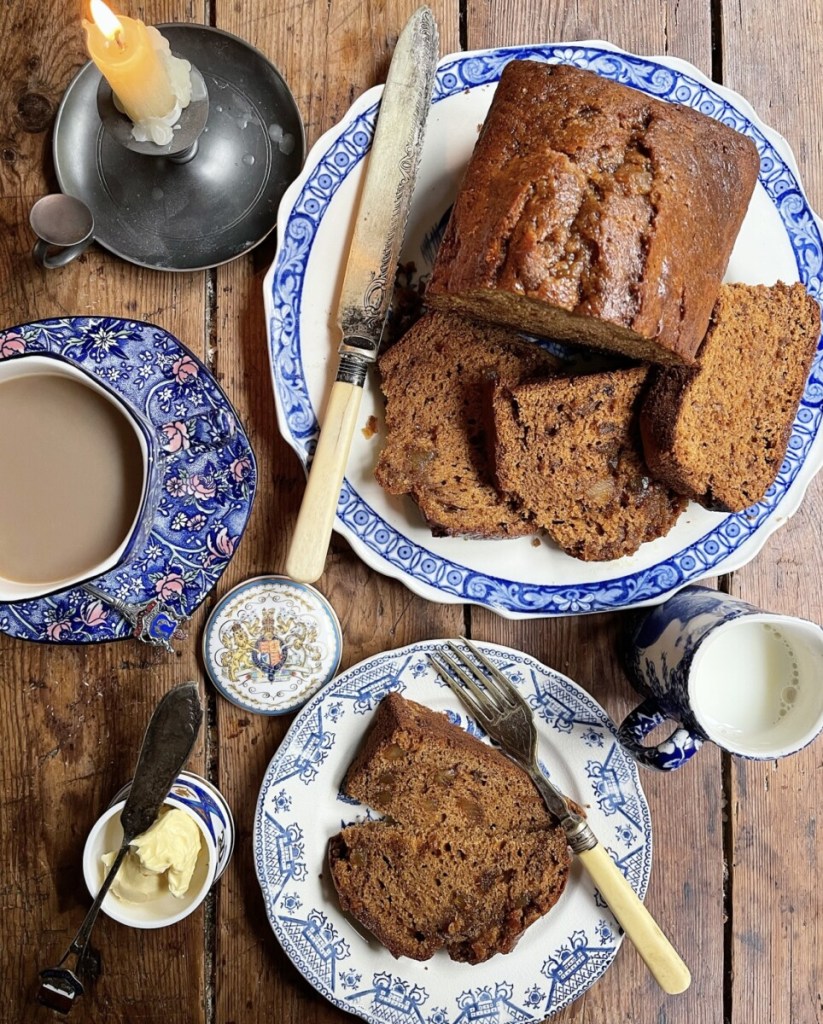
{"points": [[203, 805]]}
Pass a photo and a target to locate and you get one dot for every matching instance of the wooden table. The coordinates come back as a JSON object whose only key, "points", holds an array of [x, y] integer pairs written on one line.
{"points": [[736, 874]]}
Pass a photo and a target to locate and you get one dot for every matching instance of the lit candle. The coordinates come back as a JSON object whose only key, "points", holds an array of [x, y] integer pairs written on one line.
{"points": [[123, 52]]}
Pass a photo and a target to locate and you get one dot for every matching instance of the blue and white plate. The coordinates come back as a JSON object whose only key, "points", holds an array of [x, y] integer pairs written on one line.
{"points": [[780, 240], [208, 466], [300, 807]]}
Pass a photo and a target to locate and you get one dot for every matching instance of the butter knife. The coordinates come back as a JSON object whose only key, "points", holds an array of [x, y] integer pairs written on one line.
{"points": [[369, 279], [168, 741]]}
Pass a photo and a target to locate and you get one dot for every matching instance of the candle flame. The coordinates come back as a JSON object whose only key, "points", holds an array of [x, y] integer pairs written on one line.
{"points": [[105, 19]]}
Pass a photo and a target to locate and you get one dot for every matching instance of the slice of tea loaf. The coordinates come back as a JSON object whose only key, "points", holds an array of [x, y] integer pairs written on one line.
{"points": [[417, 767], [467, 857], [593, 213], [469, 891], [435, 450], [718, 432], [568, 448]]}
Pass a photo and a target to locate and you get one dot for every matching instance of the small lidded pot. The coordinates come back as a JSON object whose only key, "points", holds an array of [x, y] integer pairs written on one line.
{"points": [[201, 846]]}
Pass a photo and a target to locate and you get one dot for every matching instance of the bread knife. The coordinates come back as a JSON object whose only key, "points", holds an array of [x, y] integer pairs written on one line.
{"points": [[369, 280]]}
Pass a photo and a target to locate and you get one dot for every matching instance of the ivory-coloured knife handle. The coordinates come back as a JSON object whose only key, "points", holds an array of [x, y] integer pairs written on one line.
{"points": [[310, 544], [660, 956]]}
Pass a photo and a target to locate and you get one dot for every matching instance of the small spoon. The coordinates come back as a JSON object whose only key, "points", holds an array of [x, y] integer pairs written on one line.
{"points": [[168, 741], [153, 621]]}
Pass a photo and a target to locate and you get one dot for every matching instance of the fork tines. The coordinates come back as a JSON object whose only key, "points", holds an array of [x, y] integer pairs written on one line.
{"points": [[490, 693]]}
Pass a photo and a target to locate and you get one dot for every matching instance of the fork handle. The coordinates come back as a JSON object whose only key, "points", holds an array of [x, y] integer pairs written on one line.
{"points": [[660, 956]]}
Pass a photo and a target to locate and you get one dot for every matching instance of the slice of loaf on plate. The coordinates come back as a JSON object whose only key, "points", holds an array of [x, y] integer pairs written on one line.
{"points": [[435, 450], [419, 768], [467, 857], [469, 891], [568, 449], [718, 432]]}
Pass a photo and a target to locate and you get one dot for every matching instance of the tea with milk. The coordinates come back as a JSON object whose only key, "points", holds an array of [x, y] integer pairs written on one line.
{"points": [[71, 478]]}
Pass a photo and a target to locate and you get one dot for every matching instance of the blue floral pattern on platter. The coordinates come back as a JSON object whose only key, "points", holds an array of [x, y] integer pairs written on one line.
{"points": [[209, 475], [386, 545], [300, 807]]}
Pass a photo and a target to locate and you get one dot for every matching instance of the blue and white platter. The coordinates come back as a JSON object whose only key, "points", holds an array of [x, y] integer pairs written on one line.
{"points": [[780, 240], [300, 807], [208, 475]]}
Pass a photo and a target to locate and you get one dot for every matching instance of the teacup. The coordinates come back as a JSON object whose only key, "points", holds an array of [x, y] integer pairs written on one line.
{"points": [[30, 571], [749, 681]]}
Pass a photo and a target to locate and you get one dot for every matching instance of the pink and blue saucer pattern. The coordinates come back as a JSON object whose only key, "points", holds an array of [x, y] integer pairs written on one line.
{"points": [[208, 475], [271, 643]]}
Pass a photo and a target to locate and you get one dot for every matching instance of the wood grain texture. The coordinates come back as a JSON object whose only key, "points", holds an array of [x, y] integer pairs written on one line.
{"points": [[71, 719], [776, 913], [329, 54], [640, 26]]}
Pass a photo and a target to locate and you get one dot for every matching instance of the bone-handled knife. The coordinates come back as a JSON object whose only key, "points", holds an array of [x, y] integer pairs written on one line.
{"points": [[369, 280]]}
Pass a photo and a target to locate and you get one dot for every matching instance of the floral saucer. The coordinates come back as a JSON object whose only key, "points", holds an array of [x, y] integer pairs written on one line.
{"points": [[209, 476]]}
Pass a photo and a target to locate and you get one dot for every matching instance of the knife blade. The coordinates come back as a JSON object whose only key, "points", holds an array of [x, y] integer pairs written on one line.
{"points": [[369, 279], [167, 743]]}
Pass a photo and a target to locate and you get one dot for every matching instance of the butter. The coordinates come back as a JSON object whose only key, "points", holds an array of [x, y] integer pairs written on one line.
{"points": [[162, 859], [132, 883]]}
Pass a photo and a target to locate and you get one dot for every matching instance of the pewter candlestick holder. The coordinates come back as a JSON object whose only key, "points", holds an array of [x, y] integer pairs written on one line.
{"points": [[212, 193]]}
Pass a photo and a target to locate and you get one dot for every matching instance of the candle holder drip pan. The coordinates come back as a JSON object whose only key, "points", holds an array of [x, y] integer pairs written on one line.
{"points": [[167, 215]]}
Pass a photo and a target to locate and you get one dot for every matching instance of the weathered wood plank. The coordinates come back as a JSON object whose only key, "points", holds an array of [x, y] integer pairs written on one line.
{"points": [[776, 919], [682, 30], [329, 54], [72, 717], [686, 892]]}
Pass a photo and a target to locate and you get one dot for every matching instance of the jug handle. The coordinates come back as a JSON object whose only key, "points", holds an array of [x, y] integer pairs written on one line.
{"points": [[671, 753]]}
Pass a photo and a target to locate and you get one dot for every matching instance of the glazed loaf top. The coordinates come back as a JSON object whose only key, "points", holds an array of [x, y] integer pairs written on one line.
{"points": [[591, 200]]}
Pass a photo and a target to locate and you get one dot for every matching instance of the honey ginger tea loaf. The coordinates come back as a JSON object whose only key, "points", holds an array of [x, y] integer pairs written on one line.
{"points": [[467, 856], [417, 767], [468, 891], [593, 213], [435, 449], [718, 432], [568, 449]]}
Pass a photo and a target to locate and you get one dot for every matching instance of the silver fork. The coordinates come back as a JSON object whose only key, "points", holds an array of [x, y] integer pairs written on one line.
{"points": [[503, 713]]}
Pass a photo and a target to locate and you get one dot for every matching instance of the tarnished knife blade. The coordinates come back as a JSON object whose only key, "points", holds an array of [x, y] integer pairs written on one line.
{"points": [[167, 743], [369, 280], [387, 194]]}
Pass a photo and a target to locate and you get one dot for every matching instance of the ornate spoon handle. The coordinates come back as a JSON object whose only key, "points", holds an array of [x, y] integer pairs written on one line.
{"points": [[153, 621]]}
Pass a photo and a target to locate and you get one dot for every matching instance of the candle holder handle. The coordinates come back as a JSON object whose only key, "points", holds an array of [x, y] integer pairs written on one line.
{"points": [[64, 227]]}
